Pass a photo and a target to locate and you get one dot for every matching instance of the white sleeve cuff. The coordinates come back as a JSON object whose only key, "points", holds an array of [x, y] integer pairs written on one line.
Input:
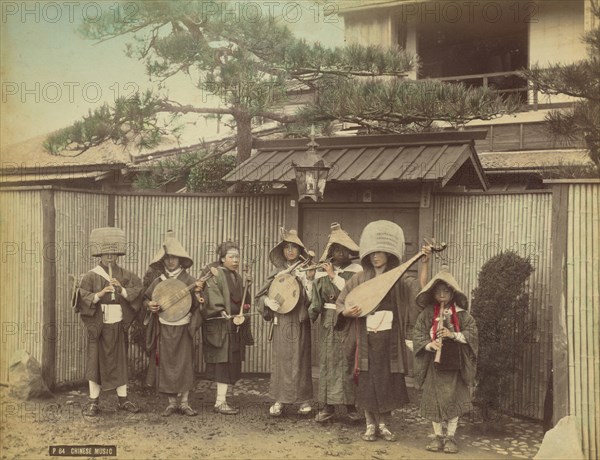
{"points": [[338, 282], [123, 292], [96, 299]]}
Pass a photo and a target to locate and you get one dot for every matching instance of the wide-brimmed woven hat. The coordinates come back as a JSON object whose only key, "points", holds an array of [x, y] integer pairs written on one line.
{"points": [[287, 236], [107, 240], [339, 236], [172, 247], [425, 297], [382, 236]]}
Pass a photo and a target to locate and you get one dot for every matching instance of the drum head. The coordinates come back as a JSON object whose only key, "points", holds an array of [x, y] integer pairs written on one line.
{"points": [[285, 289], [174, 298]]}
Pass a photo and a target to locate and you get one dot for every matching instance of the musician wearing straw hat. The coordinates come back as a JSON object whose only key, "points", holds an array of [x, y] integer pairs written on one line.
{"points": [[107, 300], [172, 319], [377, 333], [225, 331], [284, 300], [444, 376], [336, 267]]}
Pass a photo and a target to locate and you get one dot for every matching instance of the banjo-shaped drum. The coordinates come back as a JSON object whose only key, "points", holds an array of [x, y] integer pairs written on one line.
{"points": [[174, 299], [285, 289]]}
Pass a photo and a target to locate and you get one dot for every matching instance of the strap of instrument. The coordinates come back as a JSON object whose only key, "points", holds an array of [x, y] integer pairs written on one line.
{"points": [[356, 352]]}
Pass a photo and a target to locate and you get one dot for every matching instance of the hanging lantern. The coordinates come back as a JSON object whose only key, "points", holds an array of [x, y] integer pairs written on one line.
{"points": [[311, 172]]}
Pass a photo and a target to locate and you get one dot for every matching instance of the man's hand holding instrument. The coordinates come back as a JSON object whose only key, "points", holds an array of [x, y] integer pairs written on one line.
{"points": [[365, 298], [170, 298]]}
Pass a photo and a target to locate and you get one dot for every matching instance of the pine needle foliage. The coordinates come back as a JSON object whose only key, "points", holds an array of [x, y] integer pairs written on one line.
{"points": [[251, 66]]}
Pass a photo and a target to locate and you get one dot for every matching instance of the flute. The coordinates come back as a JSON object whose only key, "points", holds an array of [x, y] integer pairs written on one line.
{"points": [[438, 352], [112, 294]]}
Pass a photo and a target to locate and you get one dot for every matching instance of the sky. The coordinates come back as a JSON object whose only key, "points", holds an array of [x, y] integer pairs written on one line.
{"points": [[51, 76]]}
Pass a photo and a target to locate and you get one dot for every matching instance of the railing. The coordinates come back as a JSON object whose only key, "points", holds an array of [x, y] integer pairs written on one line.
{"points": [[503, 83]]}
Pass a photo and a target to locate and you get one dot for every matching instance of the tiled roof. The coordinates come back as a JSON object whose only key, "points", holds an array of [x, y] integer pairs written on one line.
{"points": [[533, 160], [430, 157]]}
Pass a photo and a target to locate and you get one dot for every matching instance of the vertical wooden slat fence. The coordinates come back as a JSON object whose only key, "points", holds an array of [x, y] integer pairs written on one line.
{"points": [[583, 305], [477, 227], [77, 213], [201, 223], [21, 275]]}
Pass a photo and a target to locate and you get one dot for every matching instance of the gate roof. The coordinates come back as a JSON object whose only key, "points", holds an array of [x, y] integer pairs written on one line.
{"points": [[444, 157]]}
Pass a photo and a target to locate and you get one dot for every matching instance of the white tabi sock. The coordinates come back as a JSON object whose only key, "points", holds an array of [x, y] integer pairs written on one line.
{"points": [[452, 425], [221, 393], [184, 397], [94, 390], [122, 391], [437, 428]]}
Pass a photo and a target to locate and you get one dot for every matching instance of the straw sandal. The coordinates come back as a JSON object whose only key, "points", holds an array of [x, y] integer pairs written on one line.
{"points": [[370, 434], [385, 433], [437, 445], [276, 410]]}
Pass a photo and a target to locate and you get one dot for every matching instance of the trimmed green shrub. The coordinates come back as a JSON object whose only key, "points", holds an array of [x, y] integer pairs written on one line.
{"points": [[500, 305]]}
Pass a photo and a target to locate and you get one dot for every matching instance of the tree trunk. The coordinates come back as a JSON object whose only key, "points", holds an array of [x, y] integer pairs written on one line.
{"points": [[243, 123]]}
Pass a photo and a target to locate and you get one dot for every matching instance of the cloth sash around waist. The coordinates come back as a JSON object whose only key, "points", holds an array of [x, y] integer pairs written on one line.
{"points": [[111, 313], [380, 321]]}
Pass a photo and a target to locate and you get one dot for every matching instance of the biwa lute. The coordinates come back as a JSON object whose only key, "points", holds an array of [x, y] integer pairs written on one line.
{"points": [[369, 294]]}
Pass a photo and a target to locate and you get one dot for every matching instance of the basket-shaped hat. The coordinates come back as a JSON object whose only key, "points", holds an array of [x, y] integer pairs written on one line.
{"points": [[382, 236], [107, 240], [339, 236]]}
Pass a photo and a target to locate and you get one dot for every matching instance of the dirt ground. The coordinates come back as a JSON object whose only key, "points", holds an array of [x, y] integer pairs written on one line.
{"points": [[29, 429]]}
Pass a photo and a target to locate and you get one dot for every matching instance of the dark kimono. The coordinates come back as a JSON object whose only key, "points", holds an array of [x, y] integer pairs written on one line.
{"points": [[335, 371], [224, 343], [291, 371], [445, 393], [380, 359], [106, 357], [171, 347]]}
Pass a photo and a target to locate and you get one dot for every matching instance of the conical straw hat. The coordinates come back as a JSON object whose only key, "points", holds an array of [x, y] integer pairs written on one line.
{"points": [[287, 236], [172, 247], [339, 236]]}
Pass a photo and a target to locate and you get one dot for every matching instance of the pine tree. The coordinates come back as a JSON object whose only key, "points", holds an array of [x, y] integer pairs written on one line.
{"points": [[250, 66], [580, 80]]}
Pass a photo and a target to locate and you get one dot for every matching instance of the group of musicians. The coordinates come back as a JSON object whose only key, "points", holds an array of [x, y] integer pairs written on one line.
{"points": [[363, 349]]}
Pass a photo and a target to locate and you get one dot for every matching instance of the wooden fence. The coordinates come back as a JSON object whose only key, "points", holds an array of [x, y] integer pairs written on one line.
{"points": [[45, 231], [478, 227]]}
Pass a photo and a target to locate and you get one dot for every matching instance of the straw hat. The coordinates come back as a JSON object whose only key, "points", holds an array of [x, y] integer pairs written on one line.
{"points": [[287, 236], [107, 240], [172, 247], [425, 297], [339, 236], [382, 236]]}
